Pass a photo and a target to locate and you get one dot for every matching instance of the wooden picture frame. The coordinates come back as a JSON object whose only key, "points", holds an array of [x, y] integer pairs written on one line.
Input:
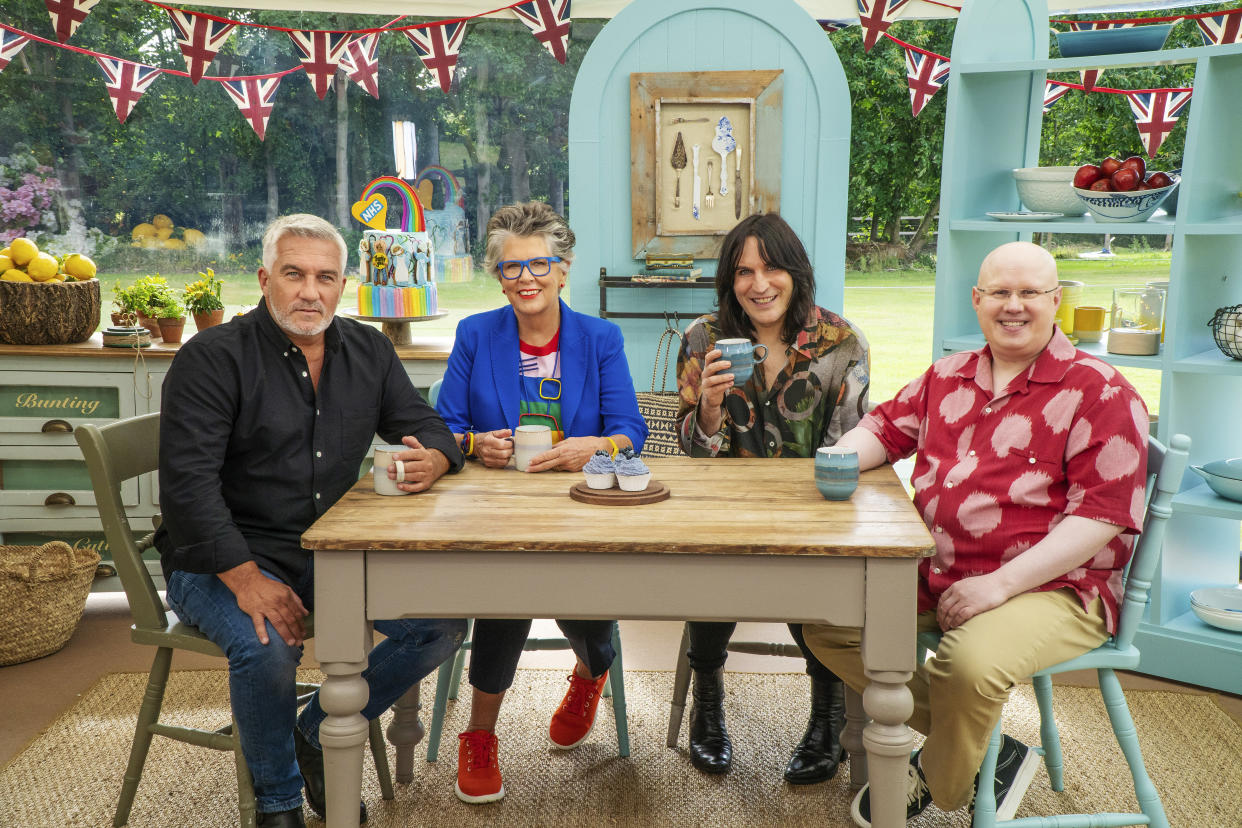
{"points": [[692, 104]]}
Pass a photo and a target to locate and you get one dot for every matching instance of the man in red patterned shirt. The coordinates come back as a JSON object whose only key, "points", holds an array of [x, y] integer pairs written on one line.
{"points": [[1029, 471]]}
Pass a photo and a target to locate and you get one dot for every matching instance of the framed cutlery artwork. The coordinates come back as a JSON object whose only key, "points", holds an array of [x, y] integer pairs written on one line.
{"points": [[705, 150]]}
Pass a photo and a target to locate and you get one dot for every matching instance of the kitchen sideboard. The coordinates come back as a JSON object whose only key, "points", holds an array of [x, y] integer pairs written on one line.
{"points": [[47, 391]]}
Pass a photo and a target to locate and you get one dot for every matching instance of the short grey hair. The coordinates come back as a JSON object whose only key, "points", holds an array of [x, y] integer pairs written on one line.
{"points": [[531, 218], [306, 226]]}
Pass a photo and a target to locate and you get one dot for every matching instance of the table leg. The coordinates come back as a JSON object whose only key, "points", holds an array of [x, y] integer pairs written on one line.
{"points": [[887, 700], [406, 731], [342, 734]]}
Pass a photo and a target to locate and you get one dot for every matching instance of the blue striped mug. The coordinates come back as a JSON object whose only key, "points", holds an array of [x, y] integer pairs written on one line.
{"points": [[836, 472], [741, 356]]}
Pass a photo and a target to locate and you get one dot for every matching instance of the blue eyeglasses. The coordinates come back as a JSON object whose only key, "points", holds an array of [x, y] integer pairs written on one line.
{"points": [[538, 266]]}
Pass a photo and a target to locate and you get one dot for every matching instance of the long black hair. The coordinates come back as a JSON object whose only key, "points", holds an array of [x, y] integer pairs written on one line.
{"points": [[779, 247]]}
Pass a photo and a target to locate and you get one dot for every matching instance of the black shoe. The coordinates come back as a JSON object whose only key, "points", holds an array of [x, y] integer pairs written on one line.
{"points": [[710, 748], [310, 763], [818, 755], [918, 797], [1016, 765], [291, 818]]}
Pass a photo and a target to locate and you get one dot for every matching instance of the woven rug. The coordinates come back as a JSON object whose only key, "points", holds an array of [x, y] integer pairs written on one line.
{"points": [[71, 774]]}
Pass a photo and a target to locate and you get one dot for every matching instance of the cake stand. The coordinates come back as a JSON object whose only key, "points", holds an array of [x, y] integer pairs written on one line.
{"points": [[397, 328]]}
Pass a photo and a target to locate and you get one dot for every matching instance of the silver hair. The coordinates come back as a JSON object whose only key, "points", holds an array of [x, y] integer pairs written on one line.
{"points": [[306, 226], [531, 218]]}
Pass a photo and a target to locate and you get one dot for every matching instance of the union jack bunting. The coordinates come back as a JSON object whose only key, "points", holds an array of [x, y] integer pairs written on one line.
{"points": [[875, 16], [320, 52], [360, 63], [126, 82], [1221, 29], [1053, 92], [925, 75], [549, 21], [1092, 25], [836, 25], [1090, 78], [1155, 114], [10, 44], [438, 47], [67, 15], [199, 37], [254, 97]]}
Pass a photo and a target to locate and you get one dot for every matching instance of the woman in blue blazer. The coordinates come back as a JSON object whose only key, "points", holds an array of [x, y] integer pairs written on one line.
{"points": [[536, 362]]}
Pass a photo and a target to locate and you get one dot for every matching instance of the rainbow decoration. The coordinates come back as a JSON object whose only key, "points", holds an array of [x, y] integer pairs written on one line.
{"points": [[412, 212], [453, 193], [396, 302]]}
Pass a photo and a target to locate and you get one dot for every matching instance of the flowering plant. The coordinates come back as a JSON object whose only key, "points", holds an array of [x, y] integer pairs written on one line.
{"points": [[27, 190], [203, 296]]}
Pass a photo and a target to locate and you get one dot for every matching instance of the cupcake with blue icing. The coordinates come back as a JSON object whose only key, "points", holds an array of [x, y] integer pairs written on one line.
{"points": [[632, 473], [600, 471]]}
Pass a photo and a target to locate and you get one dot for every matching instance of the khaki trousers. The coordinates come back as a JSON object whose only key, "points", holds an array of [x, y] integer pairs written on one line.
{"points": [[960, 690]]}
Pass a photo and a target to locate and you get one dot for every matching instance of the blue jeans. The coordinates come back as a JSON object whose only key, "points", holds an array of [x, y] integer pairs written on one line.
{"points": [[262, 677]]}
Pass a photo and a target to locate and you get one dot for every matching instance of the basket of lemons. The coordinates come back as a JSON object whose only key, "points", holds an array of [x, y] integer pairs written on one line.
{"points": [[45, 299]]}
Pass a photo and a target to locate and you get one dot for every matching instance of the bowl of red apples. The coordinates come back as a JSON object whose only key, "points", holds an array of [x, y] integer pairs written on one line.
{"points": [[1116, 191]]}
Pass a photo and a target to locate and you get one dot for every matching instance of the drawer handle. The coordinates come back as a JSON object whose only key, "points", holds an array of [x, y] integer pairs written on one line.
{"points": [[59, 499], [57, 427]]}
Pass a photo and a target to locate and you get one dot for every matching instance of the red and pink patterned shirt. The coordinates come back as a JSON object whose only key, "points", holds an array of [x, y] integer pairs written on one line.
{"points": [[996, 472]]}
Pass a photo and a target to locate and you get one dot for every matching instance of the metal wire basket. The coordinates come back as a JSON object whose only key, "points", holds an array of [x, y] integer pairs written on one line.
{"points": [[1226, 328]]}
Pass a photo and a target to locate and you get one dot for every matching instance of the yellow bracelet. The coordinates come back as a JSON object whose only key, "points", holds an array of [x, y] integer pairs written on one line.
{"points": [[470, 451], [615, 448]]}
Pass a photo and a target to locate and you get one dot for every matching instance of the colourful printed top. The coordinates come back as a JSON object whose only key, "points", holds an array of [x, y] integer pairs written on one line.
{"points": [[540, 367], [996, 472], [820, 394]]}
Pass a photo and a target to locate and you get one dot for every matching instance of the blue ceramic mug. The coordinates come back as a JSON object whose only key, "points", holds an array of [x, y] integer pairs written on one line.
{"points": [[836, 472], [741, 355]]}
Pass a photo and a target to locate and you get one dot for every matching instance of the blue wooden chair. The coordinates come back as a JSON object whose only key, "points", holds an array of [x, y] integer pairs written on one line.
{"points": [[1165, 468], [448, 676]]}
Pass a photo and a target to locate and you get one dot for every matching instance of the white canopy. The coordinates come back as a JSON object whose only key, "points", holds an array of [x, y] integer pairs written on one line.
{"points": [[820, 9]]}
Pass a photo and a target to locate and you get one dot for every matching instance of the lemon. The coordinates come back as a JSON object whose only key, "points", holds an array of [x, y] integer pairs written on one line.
{"points": [[80, 267], [163, 233], [6, 252], [22, 251], [6, 262], [42, 267], [194, 238], [172, 244], [15, 275], [142, 231], [161, 220]]}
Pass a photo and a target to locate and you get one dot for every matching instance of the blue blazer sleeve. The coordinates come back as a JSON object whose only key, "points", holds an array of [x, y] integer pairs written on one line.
{"points": [[618, 405]]}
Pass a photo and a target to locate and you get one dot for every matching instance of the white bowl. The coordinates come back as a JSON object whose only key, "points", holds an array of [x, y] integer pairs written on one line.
{"points": [[1136, 205], [1048, 190], [1219, 599]]}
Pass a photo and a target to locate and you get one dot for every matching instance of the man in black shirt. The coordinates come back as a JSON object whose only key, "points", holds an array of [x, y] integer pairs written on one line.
{"points": [[264, 424]]}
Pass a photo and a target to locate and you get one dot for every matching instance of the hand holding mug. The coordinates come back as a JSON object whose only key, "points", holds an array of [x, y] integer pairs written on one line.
{"points": [[716, 379], [407, 468], [494, 448]]}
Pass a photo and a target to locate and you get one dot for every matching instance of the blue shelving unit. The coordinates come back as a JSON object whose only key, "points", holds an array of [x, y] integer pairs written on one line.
{"points": [[1000, 62]]}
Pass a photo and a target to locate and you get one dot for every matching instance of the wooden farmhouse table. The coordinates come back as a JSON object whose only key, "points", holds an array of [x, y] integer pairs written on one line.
{"points": [[738, 539]]}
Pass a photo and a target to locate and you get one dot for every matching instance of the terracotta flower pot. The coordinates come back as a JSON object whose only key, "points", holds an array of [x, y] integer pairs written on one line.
{"points": [[171, 329], [151, 324], [210, 319], [124, 318]]}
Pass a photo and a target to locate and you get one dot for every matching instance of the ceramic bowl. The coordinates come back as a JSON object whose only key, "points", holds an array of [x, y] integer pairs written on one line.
{"points": [[1136, 205], [1227, 487], [1218, 606], [1048, 190], [1145, 38]]}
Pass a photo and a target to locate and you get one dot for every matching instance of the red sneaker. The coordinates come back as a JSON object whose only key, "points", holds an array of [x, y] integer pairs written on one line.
{"points": [[573, 720], [478, 767]]}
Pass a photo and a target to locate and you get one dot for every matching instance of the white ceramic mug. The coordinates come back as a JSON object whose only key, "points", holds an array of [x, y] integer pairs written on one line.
{"points": [[384, 457], [529, 441]]}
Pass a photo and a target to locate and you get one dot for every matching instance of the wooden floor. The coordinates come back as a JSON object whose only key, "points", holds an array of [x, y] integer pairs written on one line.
{"points": [[37, 692]]}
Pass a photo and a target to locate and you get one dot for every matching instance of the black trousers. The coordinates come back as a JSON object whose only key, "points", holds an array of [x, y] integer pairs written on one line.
{"points": [[496, 646], [708, 640]]}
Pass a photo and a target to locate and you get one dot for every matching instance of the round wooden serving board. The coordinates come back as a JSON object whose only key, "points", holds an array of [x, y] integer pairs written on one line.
{"points": [[654, 493]]}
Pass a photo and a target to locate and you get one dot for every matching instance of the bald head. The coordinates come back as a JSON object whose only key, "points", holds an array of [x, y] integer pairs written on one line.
{"points": [[1019, 259]]}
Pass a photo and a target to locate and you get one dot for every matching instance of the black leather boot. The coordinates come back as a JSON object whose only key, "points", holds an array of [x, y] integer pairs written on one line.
{"points": [[310, 763], [710, 748], [818, 755]]}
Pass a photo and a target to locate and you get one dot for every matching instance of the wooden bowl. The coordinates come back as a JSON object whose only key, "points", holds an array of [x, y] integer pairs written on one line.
{"points": [[48, 313]]}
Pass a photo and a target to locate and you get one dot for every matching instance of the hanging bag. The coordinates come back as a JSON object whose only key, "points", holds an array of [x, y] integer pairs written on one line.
{"points": [[659, 408]]}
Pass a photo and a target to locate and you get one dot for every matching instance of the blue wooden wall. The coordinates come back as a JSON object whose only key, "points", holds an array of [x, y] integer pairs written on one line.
{"points": [[685, 36]]}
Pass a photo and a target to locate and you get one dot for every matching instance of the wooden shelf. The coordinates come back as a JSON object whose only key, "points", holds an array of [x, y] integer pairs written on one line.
{"points": [[1200, 500], [1097, 349], [1159, 224], [1162, 57]]}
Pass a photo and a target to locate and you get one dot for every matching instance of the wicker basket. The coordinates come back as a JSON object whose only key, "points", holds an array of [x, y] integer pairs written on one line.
{"points": [[1226, 328], [42, 594]]}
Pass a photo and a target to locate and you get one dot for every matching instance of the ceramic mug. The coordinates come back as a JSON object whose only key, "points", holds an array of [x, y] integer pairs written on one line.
{"points": [[836, 472], [1089, 323], [529, 441], [741, 356], [386, 456]]}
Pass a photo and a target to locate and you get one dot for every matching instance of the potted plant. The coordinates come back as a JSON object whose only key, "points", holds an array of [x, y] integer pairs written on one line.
{"points": [[126, 312], [169, 314], [145, 295], [202, 298]]}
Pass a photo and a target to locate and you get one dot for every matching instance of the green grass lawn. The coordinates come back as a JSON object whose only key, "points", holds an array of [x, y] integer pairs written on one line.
{"points": [[893, 309]]}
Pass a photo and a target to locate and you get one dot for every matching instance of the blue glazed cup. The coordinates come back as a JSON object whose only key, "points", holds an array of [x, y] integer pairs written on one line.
{"points": [[741, 355], [836, 472]]}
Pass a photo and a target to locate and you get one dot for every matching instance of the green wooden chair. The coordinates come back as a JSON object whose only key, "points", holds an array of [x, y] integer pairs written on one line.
{"points": [[1165, 467], [448, 677], [115, 453]]}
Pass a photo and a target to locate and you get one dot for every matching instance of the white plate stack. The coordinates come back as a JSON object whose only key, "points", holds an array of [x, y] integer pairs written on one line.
{"points": [[1219, 606]]}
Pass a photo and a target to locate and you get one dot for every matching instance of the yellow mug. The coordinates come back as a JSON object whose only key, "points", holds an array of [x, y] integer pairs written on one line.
{"points": [[1089, 323]]}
